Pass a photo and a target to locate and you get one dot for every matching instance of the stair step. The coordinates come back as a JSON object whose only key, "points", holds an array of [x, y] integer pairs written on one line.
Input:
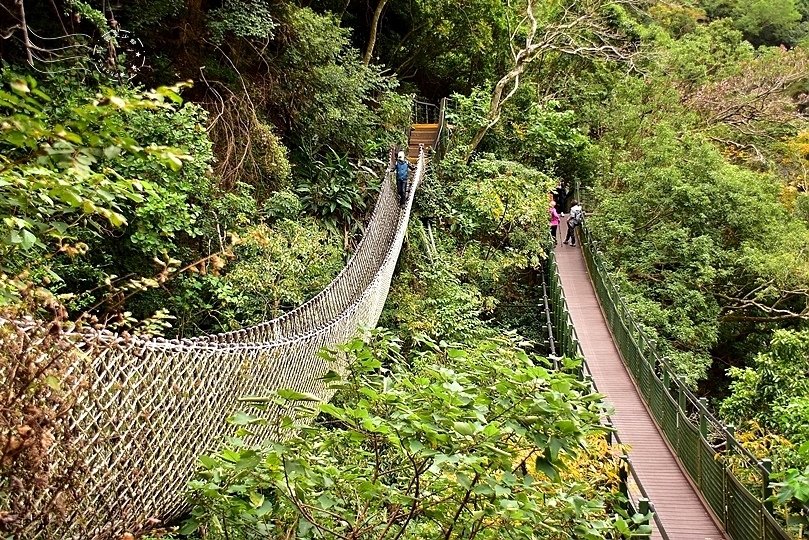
{"points": [[421, 134]]}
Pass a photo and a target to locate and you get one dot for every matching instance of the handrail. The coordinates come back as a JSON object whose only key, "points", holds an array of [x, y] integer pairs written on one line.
{"points": [[441, 137], [685, 419], [149, 407], [424, 112], [570, 346]]}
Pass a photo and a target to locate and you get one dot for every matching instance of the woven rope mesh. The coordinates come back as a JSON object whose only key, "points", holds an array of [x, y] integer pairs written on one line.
{"points": [[149, 408]]}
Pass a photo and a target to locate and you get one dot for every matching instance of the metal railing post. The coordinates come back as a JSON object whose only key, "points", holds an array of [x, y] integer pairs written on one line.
{"points": [[731, 432], [703, 420], [623, 477], [766, 490]]}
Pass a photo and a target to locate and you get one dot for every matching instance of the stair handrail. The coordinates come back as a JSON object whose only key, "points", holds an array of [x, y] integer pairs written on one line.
{"points": [[424, 112], [649, 368], [441, 139]]}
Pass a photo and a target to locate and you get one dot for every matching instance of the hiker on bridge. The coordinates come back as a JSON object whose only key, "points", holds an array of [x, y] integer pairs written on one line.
{"points": [[402, 169], [554, 221], [559, 195], [575, 219]]}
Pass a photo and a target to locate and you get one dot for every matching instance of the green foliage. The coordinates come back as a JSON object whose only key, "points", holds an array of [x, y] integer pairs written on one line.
{"points": [[764, 22], [179, 197], [772, 22], [793, 491], [145, 14], [57, 178], [283, 205], [500, 202], [435, 446], [677, 19], [84, 10], [431, 299], [709, 52], [774, 390], [272, 157], [546, 137], [334, 188], [467, 115], [304, 260], [323, 88], [692, 233], [241, 18], [464, 47]]}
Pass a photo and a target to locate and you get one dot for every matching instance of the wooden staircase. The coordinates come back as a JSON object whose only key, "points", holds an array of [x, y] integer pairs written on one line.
{"points": [[425, 134]]}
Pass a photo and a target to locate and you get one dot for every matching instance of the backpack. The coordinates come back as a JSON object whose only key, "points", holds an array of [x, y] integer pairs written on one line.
{"points": [[575, 217], [401, 170]]}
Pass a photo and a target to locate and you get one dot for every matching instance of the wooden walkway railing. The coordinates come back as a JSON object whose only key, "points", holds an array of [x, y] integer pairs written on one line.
{"points": [[564, 341], [680, 451], [681, 513]]}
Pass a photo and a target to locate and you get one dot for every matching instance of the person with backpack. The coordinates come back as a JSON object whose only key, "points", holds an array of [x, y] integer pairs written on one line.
{"points": [[575, 219], [402, 168]]}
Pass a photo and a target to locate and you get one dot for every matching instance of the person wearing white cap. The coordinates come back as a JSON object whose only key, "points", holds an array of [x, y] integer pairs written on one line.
{"points": [[402, 167]]}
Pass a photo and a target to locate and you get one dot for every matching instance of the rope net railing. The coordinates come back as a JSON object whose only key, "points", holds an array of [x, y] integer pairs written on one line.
{"points": [[733, 482], [148, 408]]}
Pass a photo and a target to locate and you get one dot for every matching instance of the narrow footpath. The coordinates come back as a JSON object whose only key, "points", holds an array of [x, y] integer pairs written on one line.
{"points": [[681, 510]]}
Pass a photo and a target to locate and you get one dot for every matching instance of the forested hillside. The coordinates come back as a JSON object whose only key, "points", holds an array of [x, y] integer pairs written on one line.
{"points": [[184, 167]]}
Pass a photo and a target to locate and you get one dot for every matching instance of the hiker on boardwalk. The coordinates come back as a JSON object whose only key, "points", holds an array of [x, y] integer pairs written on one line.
{"points": [[402, 168], [575, 219], [560, 196], [554, 221]]}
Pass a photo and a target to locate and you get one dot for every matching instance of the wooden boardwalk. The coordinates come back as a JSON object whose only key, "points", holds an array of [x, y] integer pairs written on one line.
{"points": [[425, 134], [682, 513]]}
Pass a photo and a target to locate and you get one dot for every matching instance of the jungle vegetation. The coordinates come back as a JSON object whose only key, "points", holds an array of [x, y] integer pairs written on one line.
{"points": [[191, 166]]}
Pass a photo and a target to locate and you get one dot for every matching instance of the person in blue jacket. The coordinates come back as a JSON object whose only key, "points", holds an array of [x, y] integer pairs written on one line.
{"points": [[402, 168]]}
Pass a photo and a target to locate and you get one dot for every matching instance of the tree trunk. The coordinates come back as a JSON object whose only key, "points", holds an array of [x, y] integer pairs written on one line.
{"points": [[496, 103], [25, 39], [369, 49]]}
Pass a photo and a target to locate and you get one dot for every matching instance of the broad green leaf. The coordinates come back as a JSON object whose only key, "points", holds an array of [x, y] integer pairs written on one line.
{"points": [[464, 428], [190, 526], [27, 239], [257, 499], [326, 501], [546, 467], [20, 86], [243, 419], [293, 395], [53, 382]]}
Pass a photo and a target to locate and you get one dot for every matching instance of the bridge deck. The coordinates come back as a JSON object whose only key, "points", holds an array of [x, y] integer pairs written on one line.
{"points": [[425, 134], [680, 509]]}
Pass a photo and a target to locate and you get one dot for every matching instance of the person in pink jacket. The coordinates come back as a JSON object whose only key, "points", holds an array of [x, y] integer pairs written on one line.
{"points": [[554, 221]]}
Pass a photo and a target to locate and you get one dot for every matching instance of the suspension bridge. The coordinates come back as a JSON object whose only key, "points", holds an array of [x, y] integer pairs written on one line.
{"points": [[150, 407]]}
